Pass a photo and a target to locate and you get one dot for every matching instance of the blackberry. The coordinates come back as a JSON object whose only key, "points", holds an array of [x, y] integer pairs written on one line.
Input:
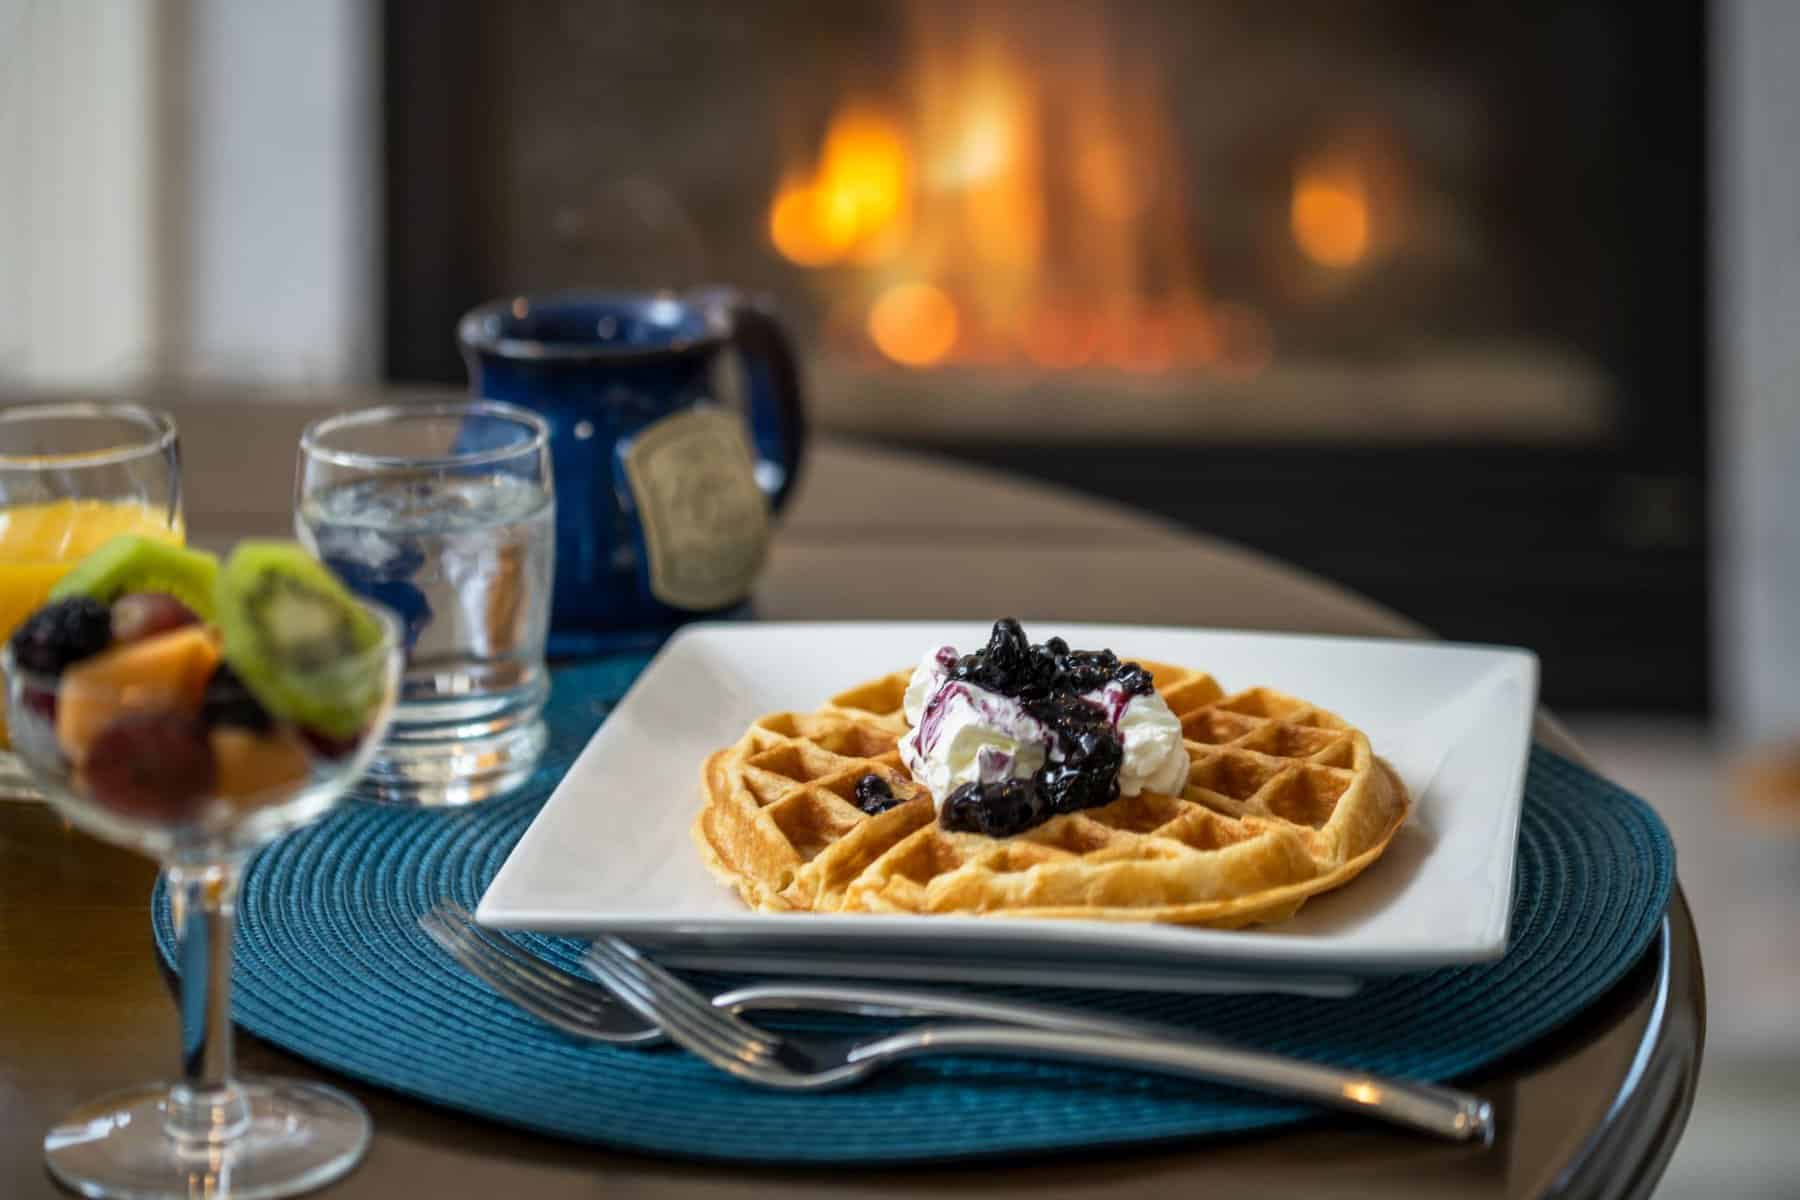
{"points": [[873, 795], [229, 702], [61, 633]]}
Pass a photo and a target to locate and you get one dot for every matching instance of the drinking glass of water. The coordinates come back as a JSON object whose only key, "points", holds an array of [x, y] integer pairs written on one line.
{"points": [[446, 514]]}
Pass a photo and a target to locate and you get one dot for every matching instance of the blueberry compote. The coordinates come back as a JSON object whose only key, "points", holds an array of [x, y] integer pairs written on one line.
{"points": [[1051, 682], [873, 795]]}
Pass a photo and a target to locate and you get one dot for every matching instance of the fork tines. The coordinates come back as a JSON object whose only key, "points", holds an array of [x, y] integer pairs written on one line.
{"points": [[688, 1018]]}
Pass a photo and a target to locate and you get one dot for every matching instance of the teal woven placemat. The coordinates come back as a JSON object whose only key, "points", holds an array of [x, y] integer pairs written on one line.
{"points": [[331, 966]]}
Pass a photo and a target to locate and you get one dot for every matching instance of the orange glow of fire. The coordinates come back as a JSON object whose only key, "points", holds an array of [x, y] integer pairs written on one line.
{"points": [[914, 324], [801, 227], [1329, 216], [1109, 182], [852, 205], [1008, 210], [1060, 339], [1351, 203]]}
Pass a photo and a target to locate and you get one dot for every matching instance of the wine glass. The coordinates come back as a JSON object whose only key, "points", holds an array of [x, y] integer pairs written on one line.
{"points": [[71, 476], [200, 798]]}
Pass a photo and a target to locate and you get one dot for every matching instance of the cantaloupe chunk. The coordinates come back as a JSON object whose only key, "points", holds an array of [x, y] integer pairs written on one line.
{"points": [[257, 764], [169, 671]]}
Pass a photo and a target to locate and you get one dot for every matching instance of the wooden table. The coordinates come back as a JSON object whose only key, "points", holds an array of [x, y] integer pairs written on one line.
{"points": [[1593, 1111]]}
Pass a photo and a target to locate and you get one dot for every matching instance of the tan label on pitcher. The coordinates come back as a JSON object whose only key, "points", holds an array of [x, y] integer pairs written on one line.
{"points": [[706, 523]]}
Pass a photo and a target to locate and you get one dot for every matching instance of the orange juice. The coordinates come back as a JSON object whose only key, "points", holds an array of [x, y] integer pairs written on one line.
{"points": [[40, 543]]}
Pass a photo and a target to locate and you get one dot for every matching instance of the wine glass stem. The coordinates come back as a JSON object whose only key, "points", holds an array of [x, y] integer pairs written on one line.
{"points": [[206, 1106]]}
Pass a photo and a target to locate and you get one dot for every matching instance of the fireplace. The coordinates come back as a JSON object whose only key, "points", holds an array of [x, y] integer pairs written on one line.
{"points": [[1410, 296]]}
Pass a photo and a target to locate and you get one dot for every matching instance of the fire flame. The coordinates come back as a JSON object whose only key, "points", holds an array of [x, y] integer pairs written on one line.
{"points": [[1350, 200], [1329, 216], [1018, 211], [914, 324], [852, 205]]}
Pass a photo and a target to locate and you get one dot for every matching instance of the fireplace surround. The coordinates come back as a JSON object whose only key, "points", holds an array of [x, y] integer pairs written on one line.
{"points": [[1412, 298]]}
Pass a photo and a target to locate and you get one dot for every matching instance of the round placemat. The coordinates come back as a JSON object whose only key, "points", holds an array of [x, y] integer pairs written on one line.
{"points": [[331, 965]]}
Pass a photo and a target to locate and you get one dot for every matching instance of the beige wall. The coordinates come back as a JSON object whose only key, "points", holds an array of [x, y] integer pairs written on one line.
{"points": [[189, 191], [1756, 348], [77, 190]]}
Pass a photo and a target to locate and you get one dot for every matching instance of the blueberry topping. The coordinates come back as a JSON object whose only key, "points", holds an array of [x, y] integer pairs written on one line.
{"points": [[1050, 681], [873, 795], [1134, 679], [1012, 666], [61, 633], [996, 809], [1086, 752]]}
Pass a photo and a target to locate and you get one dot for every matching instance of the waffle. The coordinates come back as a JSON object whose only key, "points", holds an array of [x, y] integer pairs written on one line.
{"points": [[1283, 800]]}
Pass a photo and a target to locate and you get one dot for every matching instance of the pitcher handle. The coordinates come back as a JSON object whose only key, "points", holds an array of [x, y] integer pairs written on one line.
{"points": [[777, 409]]}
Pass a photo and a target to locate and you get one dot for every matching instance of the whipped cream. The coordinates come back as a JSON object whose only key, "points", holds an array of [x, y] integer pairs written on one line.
{"points": [[962, 734], [1155, 759], [965, 734]]}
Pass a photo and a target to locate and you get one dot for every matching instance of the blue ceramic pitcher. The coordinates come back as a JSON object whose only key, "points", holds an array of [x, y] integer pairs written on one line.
{"points": [[663, 493]]}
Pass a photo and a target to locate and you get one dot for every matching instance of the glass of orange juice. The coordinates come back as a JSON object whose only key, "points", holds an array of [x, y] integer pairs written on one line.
{"points": [[72, 476]]}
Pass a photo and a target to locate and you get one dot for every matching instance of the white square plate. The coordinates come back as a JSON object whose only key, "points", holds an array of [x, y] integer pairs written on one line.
{"points": [[610, 850]]}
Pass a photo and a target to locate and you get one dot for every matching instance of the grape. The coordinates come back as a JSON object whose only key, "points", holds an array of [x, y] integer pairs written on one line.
{"points": [[155, 766], [145, 614]]}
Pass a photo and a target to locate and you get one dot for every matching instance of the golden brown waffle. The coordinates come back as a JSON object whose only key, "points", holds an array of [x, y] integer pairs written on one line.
{"points": [[1284, 800]]}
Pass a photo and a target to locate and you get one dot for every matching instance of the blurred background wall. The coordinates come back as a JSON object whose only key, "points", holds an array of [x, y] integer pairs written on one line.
{"points": [[188, 191], [1756, 316], [78, 192]]}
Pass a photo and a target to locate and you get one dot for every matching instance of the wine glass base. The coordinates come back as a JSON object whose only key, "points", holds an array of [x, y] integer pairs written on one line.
{"points": [[16, 782], [301, 1136]]}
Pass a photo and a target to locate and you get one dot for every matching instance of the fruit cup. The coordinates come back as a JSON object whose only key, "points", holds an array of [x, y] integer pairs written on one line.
{"points": [[138, 718]]}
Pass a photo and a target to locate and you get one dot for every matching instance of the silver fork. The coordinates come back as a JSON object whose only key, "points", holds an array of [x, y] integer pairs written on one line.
{"points": [[757, 1056], [582, 1008]]}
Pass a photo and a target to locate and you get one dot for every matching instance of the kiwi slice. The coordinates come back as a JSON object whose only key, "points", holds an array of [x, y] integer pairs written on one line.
{"points": [[298, 639], [128, 563]]}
